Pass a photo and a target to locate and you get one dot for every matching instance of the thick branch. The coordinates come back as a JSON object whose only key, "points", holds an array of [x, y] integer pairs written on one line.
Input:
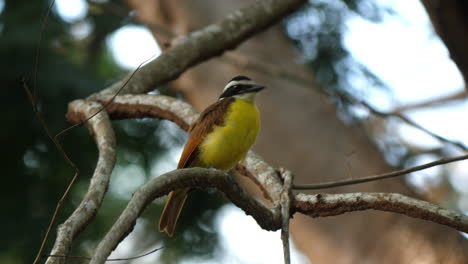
{"points": [[208, 42], [100, 128], [154, 106], [318, 205], [269, 219], [321, 205]]}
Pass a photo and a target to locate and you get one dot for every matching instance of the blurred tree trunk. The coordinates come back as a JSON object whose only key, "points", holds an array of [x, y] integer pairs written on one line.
{"points": [[301, 131], [450, 21]]}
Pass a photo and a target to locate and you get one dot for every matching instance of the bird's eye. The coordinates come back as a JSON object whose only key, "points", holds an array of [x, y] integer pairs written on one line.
{"points": [[235, 88]]}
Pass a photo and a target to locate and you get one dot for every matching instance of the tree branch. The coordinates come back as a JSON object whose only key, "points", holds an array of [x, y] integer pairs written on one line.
{"points": [[201, 45], [443, 100], [100, 128], [286, 200], [387, 175], [317, 205], [267, 218], [410, 122], [321, 205], [153, 106]]}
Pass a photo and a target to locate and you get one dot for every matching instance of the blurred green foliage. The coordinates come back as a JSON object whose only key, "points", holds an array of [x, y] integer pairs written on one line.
{"points": [[70, 67]]}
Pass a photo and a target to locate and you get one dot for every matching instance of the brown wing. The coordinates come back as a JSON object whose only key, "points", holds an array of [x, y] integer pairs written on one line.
{"points": [[211, 116]]}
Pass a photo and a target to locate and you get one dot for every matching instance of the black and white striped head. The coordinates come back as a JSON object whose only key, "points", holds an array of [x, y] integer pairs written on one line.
{"points": [[241, 87]]}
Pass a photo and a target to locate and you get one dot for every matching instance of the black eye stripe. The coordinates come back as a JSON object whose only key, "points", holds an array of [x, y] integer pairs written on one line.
{"points": [[234, 90]]}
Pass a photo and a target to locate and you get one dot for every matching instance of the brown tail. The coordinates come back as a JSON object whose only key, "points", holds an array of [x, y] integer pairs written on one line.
{"points": [[172, 209]]}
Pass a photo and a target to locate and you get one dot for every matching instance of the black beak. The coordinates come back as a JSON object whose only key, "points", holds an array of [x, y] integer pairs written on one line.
{"points": [[254, 88]]}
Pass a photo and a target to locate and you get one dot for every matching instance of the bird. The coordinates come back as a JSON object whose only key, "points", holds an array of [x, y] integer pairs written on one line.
{"points": [[219, 139]]}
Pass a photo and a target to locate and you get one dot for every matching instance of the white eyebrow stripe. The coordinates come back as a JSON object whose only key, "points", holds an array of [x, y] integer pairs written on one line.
{"points": [[232, 83]]}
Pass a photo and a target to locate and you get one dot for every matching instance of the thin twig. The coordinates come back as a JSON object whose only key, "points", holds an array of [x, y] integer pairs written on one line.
{"points": [[410, 122], [39, 41], [387, 175], [110, 259], [106, 104], [65, 157], [460, 95], [32, 98]]}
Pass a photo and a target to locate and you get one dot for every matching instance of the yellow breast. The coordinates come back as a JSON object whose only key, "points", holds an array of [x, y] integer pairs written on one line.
{"points": [[226, 145]]}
